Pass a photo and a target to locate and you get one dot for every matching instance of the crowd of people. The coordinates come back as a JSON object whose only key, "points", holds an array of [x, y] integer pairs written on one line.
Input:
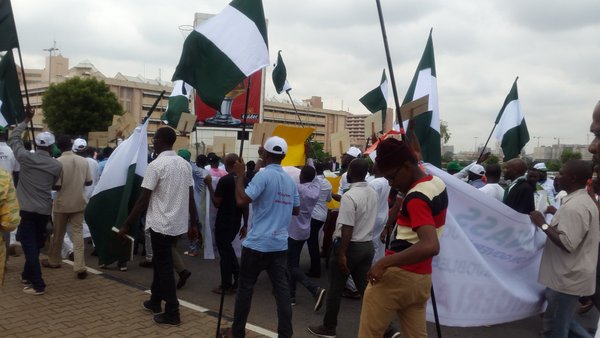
{"points": [[378, 245]]}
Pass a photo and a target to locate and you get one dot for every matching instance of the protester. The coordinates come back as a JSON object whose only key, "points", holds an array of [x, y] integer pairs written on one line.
{"points": [[401, 283], [476, 174], [199, 173], [593, 148], [309, 190], [546, 182], [214, 163], [519, 194], [38, 174], [9, 163], [9, 214], [348, 157], [318, 218], [167, 196], [274, 199], [568, 266], [227, 225], [453, 167], [105, 155], [492, 188], [382, 188], [352, 253], [250, 170]]}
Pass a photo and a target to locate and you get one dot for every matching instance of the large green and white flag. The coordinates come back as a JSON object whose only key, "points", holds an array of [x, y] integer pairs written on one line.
{"points": [[11, 102], [376, 99], [8, 30], [511, 129], [115, 194], [280, 76], [179, 102], [224, 50], [427, 125]]}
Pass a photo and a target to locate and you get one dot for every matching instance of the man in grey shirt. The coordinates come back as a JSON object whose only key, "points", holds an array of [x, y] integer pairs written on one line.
{"points": [[39, 172]]}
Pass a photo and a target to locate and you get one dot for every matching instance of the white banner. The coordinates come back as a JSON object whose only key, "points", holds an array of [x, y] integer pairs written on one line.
{"points": [[486, 271]]}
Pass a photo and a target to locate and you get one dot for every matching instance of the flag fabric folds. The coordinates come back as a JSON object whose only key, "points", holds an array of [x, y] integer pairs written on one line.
{"points": [[179, 102], [224, 50], [8, 38], [115, 195], [11, 102], [511, 129], [427, 125], [376, 99], [280, 76]]}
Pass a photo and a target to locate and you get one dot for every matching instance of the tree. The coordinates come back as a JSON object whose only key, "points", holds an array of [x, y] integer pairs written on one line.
{"points": [[444, 132], [492, 159], [553, 165], [569, 154], [78, 106], [317, 153]]}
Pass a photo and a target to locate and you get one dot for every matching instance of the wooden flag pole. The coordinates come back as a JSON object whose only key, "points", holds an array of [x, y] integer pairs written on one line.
{"points": [[27, 97], [390, 67], [243, 127], [490, 136]]}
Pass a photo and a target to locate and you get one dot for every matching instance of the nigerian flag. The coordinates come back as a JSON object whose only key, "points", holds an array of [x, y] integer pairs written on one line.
{"points": [[116, 193], [11, 102], [376, 99], [8, 38], [223, 50], [280, 76], [427, 125], [179, 102], [511, 129]]}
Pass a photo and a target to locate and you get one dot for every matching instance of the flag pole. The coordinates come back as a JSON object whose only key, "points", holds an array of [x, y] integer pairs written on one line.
{"points": [[153, 106], [390, 67], [293, 105], [244, 125], [27, 96], [490, 136]]}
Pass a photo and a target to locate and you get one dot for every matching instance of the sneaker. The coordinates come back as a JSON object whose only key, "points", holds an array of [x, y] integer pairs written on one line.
{"points": [[319, 299], [82, 275], [31, 291], [26, 281], [146, 264], [46, 264], [220, 290], [347, 293], [321, 331], [183, 277], [122, 266], [293, 301], [154, 309], [162, 319]]}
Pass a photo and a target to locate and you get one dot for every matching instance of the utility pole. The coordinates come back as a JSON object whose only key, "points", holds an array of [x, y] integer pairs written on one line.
{"points": [[51, 51]]}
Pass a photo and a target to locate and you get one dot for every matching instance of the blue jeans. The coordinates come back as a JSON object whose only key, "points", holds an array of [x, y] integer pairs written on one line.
{"points": [[163, 281], [297, 275], [253, 263], [32, 235], [559, 318]]}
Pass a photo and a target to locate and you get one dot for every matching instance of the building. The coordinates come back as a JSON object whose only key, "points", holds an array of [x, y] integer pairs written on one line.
{"points": [[553, 152]]}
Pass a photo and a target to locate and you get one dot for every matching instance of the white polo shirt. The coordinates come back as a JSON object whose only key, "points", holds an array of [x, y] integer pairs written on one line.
{"points": [[169, 177], [358, 209]]}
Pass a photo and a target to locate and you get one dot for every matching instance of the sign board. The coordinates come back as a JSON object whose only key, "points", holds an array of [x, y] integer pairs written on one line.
{"points": [[339, 143], [295, 138], [415, 108], [186, 123], [97, 139], [373, 124], [261, 132], [223, 145]]}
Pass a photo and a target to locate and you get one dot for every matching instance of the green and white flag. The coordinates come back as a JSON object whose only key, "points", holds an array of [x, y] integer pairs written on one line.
{"points": [[115, 194], [224, 50], [179, 102], [511, 129], [427, 125], [8, 36], [376, 99], [280, 76], [11, 102]]}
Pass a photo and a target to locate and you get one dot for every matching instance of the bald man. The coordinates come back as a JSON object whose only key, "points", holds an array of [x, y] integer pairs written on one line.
{"points": [[519, 194]]}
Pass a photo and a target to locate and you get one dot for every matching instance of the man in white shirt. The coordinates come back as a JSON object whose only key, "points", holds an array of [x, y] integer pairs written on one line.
{"points": [[167, 195], [546, 183], [492, 188], [318, 218], [382, 188]]}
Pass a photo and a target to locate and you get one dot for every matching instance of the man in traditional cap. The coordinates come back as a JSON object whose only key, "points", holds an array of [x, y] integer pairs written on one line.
{"points": [[546, 182], [39, 172], [476, 173]]}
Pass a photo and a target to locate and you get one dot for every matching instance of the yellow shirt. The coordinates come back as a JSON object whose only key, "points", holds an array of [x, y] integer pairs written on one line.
{"points": [[9, 213]]}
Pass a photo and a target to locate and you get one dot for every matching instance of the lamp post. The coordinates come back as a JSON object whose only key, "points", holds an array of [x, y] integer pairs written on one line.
{"points": [[51, 51]]}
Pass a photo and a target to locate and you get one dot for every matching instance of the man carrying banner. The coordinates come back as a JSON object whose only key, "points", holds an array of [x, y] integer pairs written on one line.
{"points": [[401, 283], [39, 172], [274, 198], [168, 197], [568, 266]]}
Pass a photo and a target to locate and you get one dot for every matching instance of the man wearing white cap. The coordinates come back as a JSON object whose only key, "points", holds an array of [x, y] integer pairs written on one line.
{"points": [[274, 197], [350, 155], [476, 173], [39, 172], [546, 183], [69, 205]]}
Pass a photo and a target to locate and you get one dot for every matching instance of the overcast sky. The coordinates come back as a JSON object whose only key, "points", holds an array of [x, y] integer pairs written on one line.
{"points": [[334, 49]]}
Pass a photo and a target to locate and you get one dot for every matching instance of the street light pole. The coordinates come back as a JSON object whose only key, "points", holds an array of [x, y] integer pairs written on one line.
{"points": [[51, 51]]}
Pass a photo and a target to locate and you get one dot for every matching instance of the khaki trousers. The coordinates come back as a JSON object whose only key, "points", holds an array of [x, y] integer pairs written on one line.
{"points": [[60, 220], [398, 292]]}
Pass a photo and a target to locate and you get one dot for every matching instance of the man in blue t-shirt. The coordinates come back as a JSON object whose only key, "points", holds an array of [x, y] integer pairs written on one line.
{"points": [[274, 197]]}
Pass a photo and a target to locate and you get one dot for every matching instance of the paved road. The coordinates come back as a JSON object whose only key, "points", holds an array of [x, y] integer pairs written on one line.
{"points": [[205, 277]]}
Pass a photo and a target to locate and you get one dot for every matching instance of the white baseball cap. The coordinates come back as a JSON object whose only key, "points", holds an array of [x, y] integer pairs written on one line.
{"points": [[44, 139], [477, 169], [540, 166], [79, 145], [276, 145], [354, 152]]}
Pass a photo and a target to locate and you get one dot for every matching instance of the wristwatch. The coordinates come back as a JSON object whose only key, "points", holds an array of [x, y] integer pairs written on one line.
{"points": [[544, 227]]}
